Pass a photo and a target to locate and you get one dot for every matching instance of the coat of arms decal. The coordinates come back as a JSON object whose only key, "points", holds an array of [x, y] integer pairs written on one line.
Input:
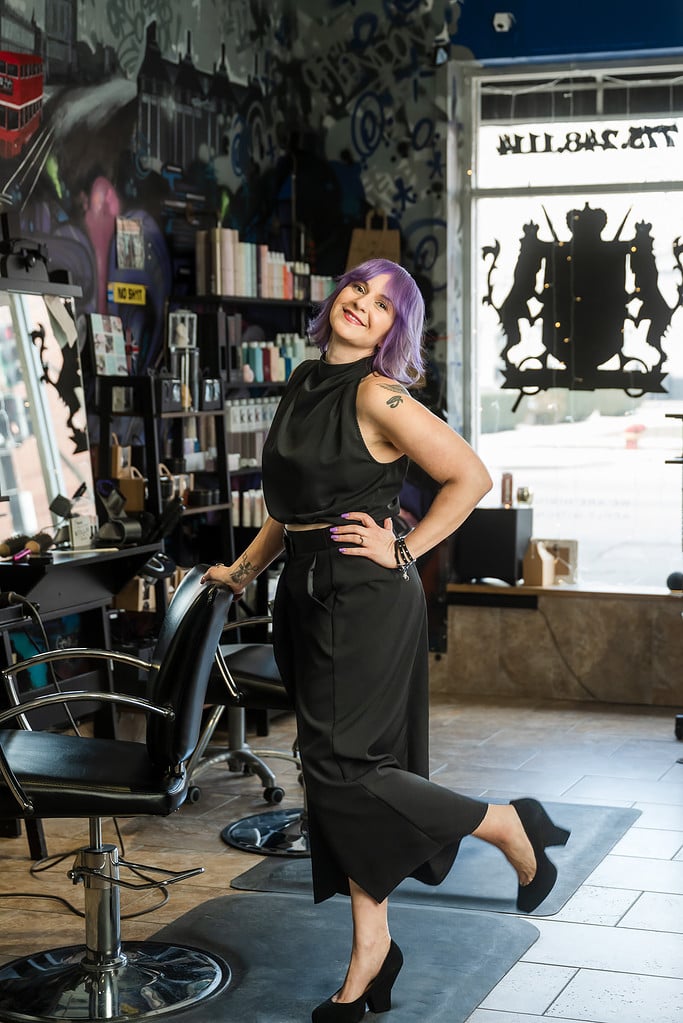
{"points": [[577, 288]]}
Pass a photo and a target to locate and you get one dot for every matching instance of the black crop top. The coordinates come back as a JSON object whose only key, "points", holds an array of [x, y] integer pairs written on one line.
{"points": [[315, 462]]}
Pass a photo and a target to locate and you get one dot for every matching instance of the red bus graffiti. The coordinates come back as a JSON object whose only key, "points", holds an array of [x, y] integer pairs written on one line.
{"points": [[21, 100]]}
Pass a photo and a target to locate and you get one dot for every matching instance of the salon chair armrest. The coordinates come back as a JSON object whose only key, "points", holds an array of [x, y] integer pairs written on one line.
{"points": [[48, 656], [91, 695], [251, 620], [69, 655]]}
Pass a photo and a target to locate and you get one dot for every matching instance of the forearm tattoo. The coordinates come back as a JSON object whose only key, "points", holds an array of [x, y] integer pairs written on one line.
{"points": [[244, 571], [397, 394]]}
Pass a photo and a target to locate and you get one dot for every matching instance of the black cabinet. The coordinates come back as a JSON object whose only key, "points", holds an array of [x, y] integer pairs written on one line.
{"points": [[491, 543]]}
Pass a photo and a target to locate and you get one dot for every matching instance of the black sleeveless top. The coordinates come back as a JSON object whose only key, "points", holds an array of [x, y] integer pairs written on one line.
{"points": [[315, 462]]}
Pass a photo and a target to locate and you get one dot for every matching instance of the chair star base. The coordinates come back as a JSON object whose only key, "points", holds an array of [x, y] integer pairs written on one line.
{"points": [[151, 979], [274, 833]]}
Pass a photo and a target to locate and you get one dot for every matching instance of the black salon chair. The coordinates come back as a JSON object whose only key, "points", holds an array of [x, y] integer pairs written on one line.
{"points": [[246, 678], [55, 775], [250, 682]]}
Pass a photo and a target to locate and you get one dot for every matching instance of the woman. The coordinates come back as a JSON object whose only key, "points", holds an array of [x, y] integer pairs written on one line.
{"points": [[349, 621]]}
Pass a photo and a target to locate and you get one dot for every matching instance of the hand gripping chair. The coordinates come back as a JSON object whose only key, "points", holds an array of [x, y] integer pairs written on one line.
{"points": [[246, 677], [48, 775]]}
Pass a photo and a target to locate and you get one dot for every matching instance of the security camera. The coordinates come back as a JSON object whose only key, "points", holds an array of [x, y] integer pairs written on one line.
{"points": [[503, 21]]}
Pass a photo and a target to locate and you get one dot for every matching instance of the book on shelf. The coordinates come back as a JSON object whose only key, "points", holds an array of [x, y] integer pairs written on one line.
{"points": [[229, 241], [234, 322], [268, 352], [230, 267], [240, 268], [201, 249], [214, 268]]}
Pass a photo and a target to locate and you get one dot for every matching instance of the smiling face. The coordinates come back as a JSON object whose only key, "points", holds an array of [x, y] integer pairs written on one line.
{"points": [[360, 318]]}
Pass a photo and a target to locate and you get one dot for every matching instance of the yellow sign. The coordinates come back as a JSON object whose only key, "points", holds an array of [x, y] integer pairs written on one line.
{"points": [[128, 294]]}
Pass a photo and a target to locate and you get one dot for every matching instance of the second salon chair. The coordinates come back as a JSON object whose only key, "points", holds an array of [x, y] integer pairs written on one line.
{"points": [[246, 678]]}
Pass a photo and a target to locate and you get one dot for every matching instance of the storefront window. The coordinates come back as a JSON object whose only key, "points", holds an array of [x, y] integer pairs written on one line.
{"points": [[574, 237]]}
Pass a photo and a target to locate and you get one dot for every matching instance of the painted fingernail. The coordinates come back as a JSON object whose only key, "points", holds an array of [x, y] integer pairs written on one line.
{"points": [[342, 550], [345, 515]]}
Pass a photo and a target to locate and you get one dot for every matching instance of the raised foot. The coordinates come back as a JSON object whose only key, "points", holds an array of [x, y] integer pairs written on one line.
{"points": [[542, 833]]}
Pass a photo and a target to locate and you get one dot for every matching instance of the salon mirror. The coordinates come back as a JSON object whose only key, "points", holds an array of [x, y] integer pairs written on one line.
{"points": [[44, 450]]}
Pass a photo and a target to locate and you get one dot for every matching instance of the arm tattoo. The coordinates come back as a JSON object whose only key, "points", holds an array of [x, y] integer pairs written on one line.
{"points": [[397, 395], [244, 571]]}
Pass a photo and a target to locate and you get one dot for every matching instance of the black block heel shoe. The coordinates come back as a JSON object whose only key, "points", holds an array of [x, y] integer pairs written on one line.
{"points": [[542, 833], [377, 995]]}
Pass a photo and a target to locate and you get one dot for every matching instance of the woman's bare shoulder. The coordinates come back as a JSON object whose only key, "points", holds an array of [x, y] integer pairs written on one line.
{"points": [[377, 389]]}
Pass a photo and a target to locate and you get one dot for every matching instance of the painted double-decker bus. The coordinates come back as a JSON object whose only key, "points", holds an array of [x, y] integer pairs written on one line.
{"points": [[21, 100]]}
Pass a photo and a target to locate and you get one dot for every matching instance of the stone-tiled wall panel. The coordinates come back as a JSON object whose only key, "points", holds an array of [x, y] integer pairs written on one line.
{"points": [[611, 649]]}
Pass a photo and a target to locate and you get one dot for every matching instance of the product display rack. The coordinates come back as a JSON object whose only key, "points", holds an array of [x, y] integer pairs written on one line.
{"points": [[271, 315], [217, 355], [164, 432], [168, 427]]}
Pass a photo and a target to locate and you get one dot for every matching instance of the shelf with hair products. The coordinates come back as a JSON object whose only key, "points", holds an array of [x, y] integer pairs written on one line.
{"points": [[247, 341], [163, 446], [251, 343], [249, 314]]}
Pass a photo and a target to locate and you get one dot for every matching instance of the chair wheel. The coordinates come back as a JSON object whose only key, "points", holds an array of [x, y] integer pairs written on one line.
{"points": [[274, 795], [194, 794]]}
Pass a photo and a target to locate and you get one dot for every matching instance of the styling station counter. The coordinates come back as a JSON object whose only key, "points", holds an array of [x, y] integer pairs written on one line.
{"points": [[565, 642], [70, 581]]}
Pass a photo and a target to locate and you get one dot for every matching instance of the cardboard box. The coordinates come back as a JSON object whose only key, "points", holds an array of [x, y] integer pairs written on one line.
{"points": [[566, 558], [538, 567], [137, 595]]}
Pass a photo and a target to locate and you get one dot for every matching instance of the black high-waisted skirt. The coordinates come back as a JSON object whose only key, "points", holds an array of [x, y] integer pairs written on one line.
{"points": [[350, 642]]}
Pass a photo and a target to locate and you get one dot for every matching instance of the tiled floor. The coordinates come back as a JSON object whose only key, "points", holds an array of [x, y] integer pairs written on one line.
{"points": [[613, 954]]}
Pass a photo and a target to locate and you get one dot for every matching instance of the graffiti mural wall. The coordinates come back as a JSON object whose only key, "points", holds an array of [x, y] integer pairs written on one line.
{"points": [[289, 121]]}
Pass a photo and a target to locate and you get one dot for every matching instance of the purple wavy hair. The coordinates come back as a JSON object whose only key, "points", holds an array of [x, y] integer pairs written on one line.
{"points": [[401, 354]]}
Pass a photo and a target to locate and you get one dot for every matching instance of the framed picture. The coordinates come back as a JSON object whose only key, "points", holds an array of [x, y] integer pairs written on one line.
{"points": [[109, 345], [182, 329]]}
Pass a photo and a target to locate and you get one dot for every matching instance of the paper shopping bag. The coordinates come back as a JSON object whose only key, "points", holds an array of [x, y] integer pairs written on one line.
{"points": [[374, 242]]}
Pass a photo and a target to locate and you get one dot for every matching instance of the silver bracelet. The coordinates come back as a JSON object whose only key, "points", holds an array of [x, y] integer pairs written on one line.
{"points": [[404, 558]]}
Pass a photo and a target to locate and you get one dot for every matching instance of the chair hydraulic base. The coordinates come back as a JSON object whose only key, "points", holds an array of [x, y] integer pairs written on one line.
{"points": [[146, 979], [274, 833], [104, 979]]}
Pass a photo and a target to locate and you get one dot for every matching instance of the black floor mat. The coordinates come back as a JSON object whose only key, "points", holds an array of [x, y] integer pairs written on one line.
{"points": [[481, 878], [287, 955]]}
